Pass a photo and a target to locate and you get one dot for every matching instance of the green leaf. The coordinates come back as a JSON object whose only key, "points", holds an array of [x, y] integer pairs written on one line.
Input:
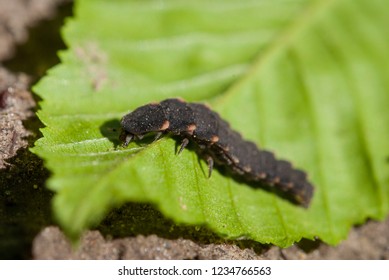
{"points": [[306, 79]]}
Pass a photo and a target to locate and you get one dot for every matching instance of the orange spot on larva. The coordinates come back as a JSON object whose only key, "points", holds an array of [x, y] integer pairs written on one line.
{"points": [[191, 128], [276, 180], [214, 139], [247, 169], [165, 125], [262, 175]]}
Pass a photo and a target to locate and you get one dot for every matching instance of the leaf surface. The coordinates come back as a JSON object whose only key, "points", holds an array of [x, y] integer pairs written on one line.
{"points": [[306, 79]]}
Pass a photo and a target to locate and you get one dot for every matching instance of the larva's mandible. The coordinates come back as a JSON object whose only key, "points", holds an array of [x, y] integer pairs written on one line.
{"points": [[217, 143]]}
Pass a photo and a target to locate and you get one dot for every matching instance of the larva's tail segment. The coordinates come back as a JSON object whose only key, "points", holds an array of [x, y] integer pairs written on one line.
{"points": [[282, 175], [256, 165]]}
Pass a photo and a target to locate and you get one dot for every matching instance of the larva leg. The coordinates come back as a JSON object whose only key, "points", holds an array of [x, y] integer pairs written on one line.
{"points": [[157, 136], [126, 139], [209, 160], [184, 143]]}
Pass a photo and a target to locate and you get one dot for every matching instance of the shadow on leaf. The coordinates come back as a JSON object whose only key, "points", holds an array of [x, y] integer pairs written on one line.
{"points": [[111, 130]]}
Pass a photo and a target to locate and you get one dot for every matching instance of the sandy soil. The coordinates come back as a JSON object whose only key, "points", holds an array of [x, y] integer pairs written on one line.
{"points": [[28, 46]]}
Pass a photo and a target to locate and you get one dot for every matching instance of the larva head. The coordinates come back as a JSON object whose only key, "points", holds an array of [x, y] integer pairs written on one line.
{"points": [[143, 120]]}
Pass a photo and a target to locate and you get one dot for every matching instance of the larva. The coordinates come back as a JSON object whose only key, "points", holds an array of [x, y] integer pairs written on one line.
{"points": [[217, 143]]}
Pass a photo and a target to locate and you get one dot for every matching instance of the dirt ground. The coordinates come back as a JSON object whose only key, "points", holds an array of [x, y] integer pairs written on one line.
{"points": [[29, 41]]}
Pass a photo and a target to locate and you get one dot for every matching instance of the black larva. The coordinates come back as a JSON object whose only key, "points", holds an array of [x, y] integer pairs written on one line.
{"points": [[216, 143]]}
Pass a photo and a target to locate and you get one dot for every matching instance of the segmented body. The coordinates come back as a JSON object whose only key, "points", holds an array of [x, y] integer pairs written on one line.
{"points": [[216, 143]]}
